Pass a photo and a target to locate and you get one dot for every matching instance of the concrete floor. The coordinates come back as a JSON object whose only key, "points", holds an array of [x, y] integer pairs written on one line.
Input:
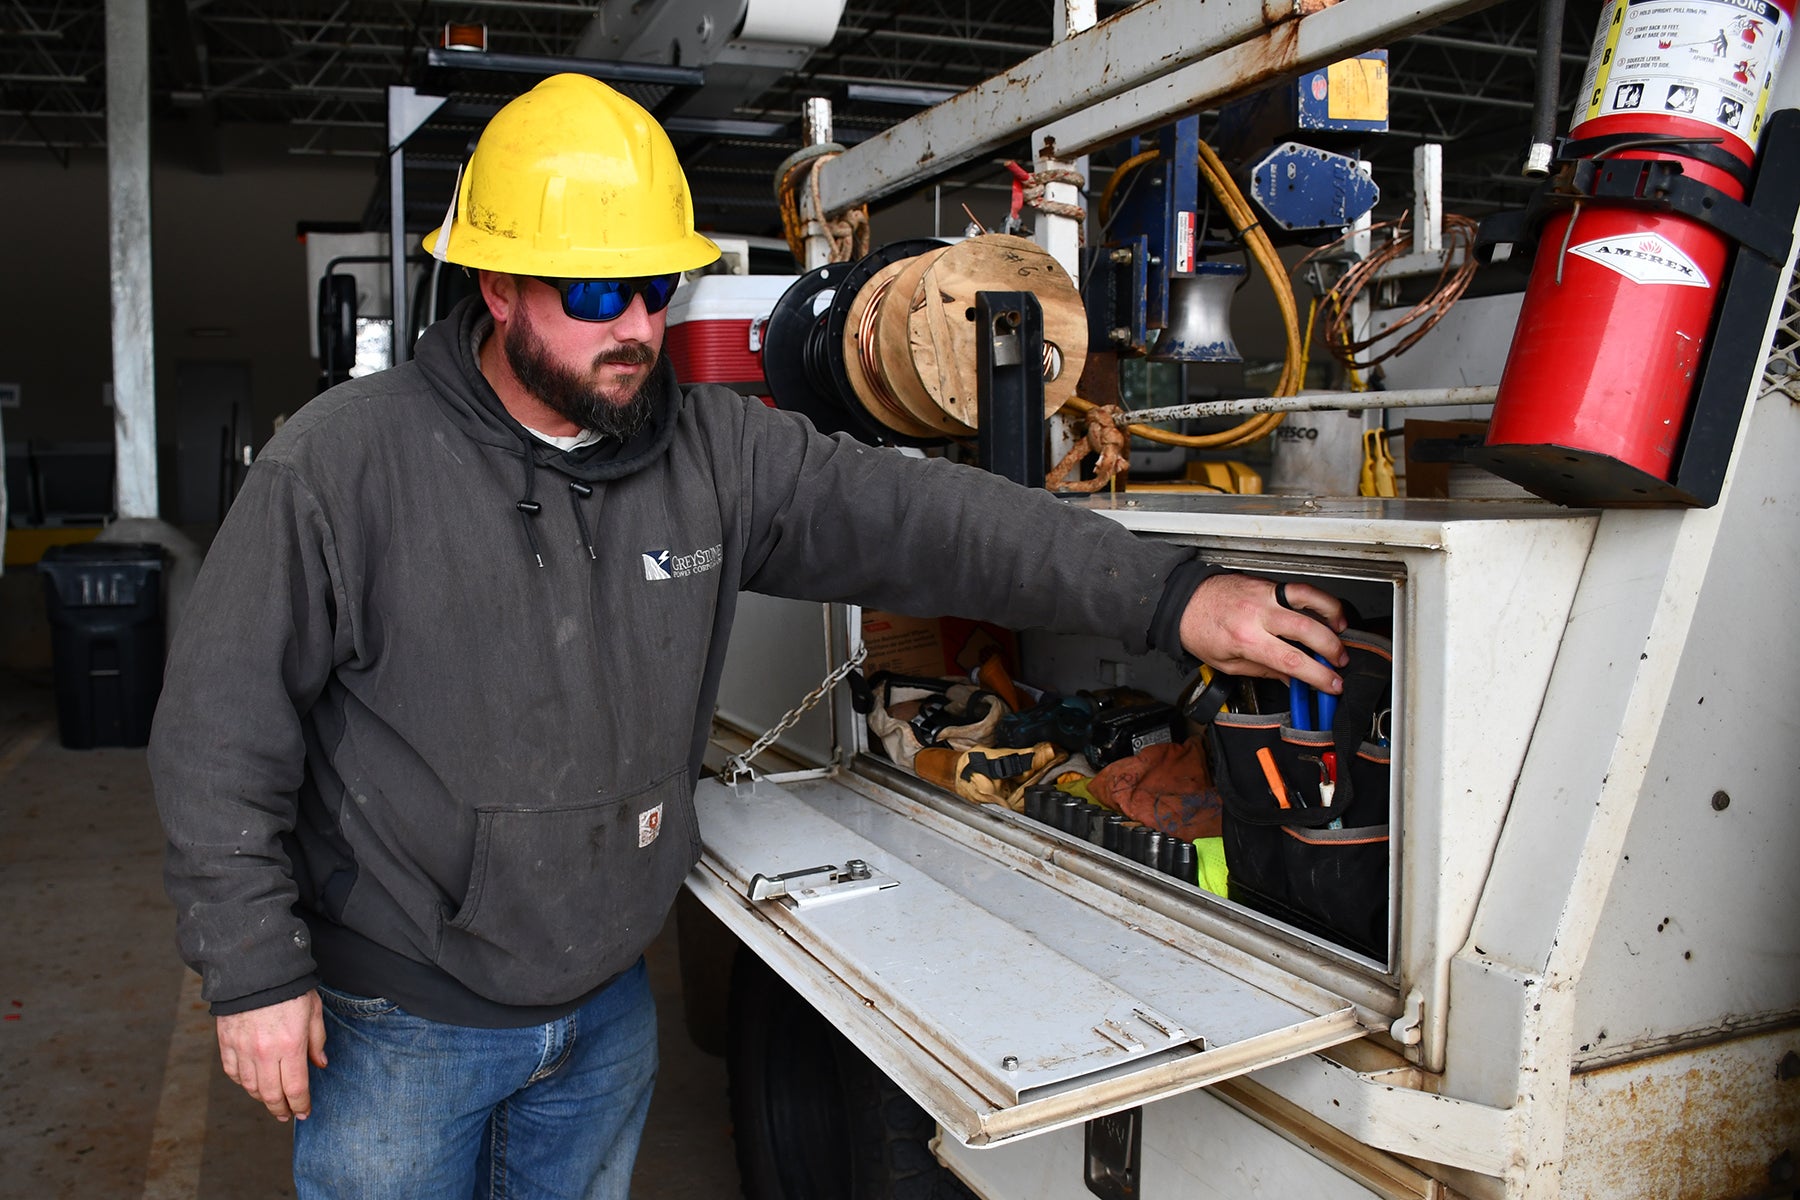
{"points": [[109, 1077]]}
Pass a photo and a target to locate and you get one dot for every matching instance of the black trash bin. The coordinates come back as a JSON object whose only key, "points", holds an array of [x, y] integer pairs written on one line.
{"points": [[105, 602]]}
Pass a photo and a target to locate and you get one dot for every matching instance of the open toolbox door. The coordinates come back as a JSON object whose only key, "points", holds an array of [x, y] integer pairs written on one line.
{"points": [[1003, 992]]}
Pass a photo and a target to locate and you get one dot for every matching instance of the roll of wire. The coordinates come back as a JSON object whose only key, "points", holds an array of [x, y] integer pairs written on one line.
{"points": [[1256, 241], [871, 360], [908, 340]]}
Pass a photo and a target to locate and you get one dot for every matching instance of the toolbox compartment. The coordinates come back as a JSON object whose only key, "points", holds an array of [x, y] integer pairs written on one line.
{"points": [[991, 937]]}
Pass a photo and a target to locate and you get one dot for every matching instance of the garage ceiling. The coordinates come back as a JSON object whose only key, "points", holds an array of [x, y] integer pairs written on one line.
{"points": [[318, 70]]}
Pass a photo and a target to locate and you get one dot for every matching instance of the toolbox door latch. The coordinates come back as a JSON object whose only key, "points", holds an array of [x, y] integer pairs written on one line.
{"points": [[821, 885]]}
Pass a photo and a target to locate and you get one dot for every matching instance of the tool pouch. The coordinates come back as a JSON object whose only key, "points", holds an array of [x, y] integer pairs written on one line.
{"points": [[907, 713], [1323, 870]]}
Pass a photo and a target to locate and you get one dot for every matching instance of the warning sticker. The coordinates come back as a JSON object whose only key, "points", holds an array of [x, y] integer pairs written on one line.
{"points": [[1643, 258], [1712, 61]]}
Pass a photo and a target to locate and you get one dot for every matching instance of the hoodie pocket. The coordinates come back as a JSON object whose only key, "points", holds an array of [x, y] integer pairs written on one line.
{"points": [[559, 900]]}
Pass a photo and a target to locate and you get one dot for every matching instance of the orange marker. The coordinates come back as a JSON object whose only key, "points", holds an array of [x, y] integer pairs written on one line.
{"points": [[1272, 774]]}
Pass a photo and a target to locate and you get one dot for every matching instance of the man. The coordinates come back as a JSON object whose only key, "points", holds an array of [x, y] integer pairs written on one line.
{"points": [[429, 739]]}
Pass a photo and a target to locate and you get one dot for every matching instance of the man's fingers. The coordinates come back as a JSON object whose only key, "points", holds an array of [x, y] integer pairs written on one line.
{"points": [[315, 1039], [1311, 671], [1304, 597], [265, 1050], [295, 1087], [273, 1097], [1314, 636]]}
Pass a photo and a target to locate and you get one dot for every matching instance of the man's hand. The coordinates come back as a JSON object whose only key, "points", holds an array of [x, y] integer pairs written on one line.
{"points": [[1235, 624], [265, 1050]]}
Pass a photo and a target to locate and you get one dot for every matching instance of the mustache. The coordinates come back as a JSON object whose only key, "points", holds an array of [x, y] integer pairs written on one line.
{"points": [[635, 354]]}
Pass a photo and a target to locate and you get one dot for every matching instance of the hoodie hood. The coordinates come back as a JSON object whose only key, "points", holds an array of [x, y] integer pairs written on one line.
{"points": [[446, 352]]}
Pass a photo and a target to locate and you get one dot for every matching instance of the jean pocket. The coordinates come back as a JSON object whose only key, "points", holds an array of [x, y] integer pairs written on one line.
{"points": [[561, 899], [350, 1005]]}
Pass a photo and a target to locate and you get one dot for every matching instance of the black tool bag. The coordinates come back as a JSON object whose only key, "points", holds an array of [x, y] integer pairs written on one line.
{"points": [[1322, 869]]}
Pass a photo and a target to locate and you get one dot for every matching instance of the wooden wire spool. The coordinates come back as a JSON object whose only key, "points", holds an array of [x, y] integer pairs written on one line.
{"points": [[858, 347], [889, 356], [922, 354]]}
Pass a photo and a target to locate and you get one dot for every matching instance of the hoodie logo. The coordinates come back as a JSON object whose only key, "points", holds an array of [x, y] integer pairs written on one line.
{"points": [[665, 564], [649, 825]]}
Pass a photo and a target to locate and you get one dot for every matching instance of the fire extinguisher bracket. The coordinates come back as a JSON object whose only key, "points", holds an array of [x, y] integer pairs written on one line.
{"points": [[1635, 183], [1735, 349]]}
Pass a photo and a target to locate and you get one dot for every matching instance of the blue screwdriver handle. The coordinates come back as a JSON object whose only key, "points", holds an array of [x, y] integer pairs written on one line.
{"points": [[1327, 702], [1300, 705]]}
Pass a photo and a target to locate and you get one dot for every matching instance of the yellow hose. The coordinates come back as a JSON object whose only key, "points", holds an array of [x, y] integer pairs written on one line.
{"points": [[1293, 370]]}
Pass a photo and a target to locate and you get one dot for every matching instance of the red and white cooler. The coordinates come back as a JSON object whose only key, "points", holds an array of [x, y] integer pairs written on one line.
{"points": [[715, 330]]}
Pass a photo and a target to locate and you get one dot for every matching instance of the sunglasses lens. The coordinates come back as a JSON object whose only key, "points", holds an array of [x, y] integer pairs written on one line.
{"points": [[657, 291], [595, 299]]}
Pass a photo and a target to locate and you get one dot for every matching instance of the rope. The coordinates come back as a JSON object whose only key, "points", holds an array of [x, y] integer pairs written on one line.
{"points": [[849, 234], [1038, 182], [1103, 437]]}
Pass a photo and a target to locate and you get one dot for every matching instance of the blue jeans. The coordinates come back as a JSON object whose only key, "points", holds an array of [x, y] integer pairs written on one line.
{"points": [[415, 1108]]}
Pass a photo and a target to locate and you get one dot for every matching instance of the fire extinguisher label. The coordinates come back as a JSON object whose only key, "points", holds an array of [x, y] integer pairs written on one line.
{"points": [[1643, 258], [1712, 61]]}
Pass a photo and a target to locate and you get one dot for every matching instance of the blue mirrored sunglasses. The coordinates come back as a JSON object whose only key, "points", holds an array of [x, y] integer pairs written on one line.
{"points": [[607, 299]]}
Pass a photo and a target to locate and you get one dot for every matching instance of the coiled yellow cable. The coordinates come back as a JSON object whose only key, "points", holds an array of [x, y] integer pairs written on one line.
{"points": [[1293, 370]]}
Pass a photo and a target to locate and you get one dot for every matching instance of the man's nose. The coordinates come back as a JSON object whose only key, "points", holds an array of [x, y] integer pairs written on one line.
{"points": [[634, 324]]}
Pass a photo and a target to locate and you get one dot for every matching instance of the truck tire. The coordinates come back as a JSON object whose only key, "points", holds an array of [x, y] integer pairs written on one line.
{"points": [[812, 1118]]}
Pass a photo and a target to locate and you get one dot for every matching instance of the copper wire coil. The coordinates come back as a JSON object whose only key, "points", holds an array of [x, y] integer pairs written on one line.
{"points": [[870, 359]]}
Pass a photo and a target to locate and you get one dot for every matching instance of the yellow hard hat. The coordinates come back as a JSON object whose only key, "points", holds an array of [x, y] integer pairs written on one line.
{"points": [[572, 180]]}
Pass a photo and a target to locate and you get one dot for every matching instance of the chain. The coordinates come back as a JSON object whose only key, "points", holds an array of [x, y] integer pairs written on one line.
{"points": [[739, 764]]}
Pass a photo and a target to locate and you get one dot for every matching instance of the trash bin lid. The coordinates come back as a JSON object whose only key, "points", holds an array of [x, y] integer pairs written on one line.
{"points": [[102, 575], [147, 554]]}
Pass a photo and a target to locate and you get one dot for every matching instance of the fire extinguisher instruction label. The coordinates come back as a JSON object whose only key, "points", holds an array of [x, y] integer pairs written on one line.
{"points": [[1643, 258], [1712, 61]]}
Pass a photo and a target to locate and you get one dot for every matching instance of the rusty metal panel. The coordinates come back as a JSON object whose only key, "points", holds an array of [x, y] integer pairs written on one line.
{"points": [[1694, 1125], [1323, 35], [1141, 43]]}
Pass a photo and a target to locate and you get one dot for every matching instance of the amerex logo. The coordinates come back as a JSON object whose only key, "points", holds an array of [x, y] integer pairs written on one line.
{"points": [[665, 564], [1643, 258]]}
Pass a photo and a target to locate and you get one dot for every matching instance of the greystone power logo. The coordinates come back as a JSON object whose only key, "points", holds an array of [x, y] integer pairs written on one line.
{"points": [[665, 564]]}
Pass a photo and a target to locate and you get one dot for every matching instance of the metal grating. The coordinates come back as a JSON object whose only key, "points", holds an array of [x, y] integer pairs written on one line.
{"points": [[1782, 374]]}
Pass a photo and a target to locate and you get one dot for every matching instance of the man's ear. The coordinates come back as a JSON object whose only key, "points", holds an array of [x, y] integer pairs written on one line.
{"points": [[500, 291]]}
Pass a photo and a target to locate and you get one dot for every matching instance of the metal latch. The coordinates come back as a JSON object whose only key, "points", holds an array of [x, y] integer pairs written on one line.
{"points": [[1007, 352], [820, 885]]}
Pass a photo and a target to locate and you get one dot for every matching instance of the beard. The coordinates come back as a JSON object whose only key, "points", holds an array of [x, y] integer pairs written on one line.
{"points": [[617, 413]]}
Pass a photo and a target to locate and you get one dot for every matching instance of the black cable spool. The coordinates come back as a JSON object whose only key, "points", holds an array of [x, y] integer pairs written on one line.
{"points": [[792, 346], [803, 346]]}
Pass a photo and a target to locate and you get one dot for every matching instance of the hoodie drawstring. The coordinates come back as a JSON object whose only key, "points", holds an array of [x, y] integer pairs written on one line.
{"points": [[529, 508], [577, 493]]}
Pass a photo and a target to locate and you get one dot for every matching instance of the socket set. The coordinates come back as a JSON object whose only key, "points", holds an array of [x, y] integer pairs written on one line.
{"points": [[1112, 831]]}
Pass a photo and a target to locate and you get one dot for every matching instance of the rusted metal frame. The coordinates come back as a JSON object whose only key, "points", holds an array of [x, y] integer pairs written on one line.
{"points": [[1313, 41], [1139, 44]]}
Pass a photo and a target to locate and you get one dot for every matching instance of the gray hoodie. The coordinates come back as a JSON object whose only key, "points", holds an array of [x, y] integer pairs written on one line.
{"points": [[396, 752]]}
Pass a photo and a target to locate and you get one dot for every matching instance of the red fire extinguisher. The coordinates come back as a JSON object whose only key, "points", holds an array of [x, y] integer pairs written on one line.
{"points": [[1620, 299]]}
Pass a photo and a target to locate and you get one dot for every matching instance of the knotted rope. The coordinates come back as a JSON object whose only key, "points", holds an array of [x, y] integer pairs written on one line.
{"points": [[1103, 437], [848, 234]]}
